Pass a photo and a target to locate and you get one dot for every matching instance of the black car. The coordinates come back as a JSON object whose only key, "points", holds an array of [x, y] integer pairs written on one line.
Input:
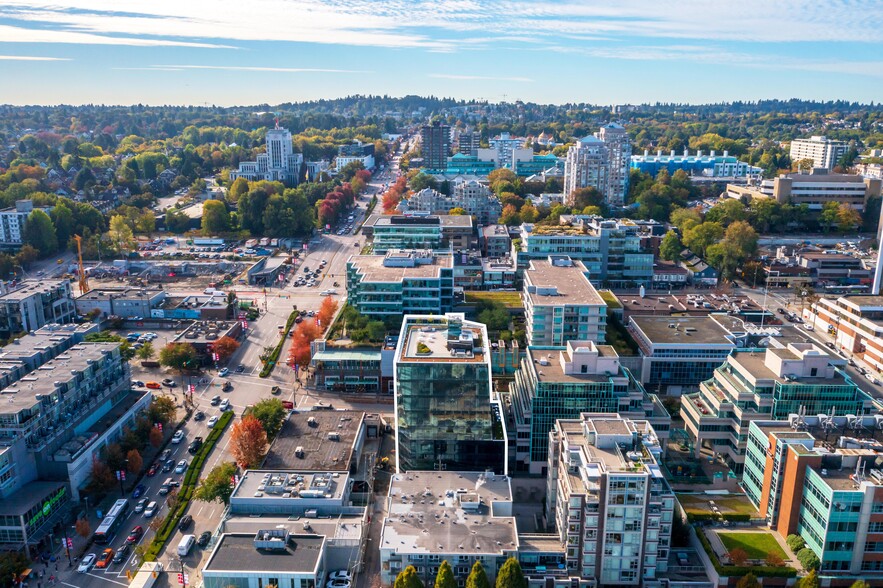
{"points": [[185, 522], [195, 445], [199, 416], [227, 386], [204, 539], [240, 368], [122, 553]]}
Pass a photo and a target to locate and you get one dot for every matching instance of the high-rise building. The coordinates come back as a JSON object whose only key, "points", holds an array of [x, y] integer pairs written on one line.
{"points": [[469, 142], [474, 197], [619, 152], [279, 164], [436, 139], [560, 383], [447, 416], [561, 304], [823, 151], [611, 504], [505, 144], [586, 166], [772, 384]]}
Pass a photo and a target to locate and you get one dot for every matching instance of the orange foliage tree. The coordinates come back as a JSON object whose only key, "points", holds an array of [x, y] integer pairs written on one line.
{"points": [[135, 461], [248, 442], [306, 333], [326, 312], [394, 195], [225, 347]]}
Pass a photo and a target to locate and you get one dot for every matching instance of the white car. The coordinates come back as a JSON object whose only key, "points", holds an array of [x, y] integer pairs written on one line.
{"points": [[225, 404], [338, 584], [182, 467], [807, 326], [212, 421], [151, 509], [178, 437], [87, 563], [340, 575]]}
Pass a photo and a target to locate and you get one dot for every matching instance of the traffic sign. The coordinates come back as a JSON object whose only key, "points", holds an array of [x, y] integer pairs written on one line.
{"points": [[183, 579]]}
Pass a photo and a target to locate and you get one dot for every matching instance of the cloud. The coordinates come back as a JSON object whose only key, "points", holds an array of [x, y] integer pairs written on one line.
{"points": [[31, 58], [485, 78], [11, 34], [260, 68]]}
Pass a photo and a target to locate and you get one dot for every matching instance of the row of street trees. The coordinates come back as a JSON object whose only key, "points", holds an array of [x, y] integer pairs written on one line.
{"points": [[509, 576]]}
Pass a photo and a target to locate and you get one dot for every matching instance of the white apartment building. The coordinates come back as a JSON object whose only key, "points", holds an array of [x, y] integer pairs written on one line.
{"points": [[855, 323], [12, 223], [505, 144], [35, 303], [824, 152], [586, 166], [279, 164], [561, 304], [619, 152], [611, 504], [472, 196]]}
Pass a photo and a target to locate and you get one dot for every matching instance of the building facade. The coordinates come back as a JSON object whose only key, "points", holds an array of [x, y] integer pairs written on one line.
{"points": [[611, 504], [619, 152], [447, 414], [279, 164], [474, 197], [505, 144], [436, 141], [823, 151], [561, 304], [35, 303], [587, 166], [13, 221], [814, 189], [709, 165], [437, 231], [854, 322]]}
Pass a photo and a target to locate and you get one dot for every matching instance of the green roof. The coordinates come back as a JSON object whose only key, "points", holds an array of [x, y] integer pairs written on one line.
{"points": [[347, 355]]}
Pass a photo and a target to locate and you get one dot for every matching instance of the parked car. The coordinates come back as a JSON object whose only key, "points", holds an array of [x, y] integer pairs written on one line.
{"points": [[169, 382], [104, 559], [182, 467], [227, 387], [178, 437], [86, 563], [225, 405], [340, 575], [139, 490], [338, 584], [276, 390], [135, 535], [223, 372], [153, 385], [137, 384], [122, 553], [185, 522], [204, 538]]}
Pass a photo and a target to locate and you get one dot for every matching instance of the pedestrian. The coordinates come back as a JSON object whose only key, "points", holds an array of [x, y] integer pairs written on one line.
{"points": [[56, 566]]}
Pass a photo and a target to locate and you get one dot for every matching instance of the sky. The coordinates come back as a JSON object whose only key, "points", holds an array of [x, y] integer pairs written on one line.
{"points": [[247, 52]]}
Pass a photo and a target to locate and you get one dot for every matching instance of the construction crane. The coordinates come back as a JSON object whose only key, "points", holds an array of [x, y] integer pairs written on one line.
{"points": [[81, 274]]}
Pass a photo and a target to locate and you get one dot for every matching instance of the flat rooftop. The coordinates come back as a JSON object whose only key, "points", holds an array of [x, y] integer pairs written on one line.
{"points": [[29, 288], [117, 293], [467, 348], [444, 220], [754, 363], [237, 553], [275, 484], [448, 512], [611, 456], [573, 287], [373, 270], [27, 497], [320, 453], [334, 527], [206, 331], [682, 330], [554, 372], [861, 301]]}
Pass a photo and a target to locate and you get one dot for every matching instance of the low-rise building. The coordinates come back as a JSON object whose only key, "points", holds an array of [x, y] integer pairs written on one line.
{"points": [[813, 189], [561, 304], [125, 302], [202, 335], [698, 271], [351, 370], [400, 282], [854, 322], [709, 165], [833, 268], [498, 273], [679, 352], [420, 232], [290, 493], [34, 303], [458, 517], [610, 501], [562, 382], [205, 307], [772, 384], [495, 241], [668, 275], [13, 221], [356, 151], [303, 443], [270, 557]]}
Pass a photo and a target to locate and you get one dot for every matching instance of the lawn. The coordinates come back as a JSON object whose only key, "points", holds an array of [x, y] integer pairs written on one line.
{"points": [[507, 299], [756, 545], [698, 504], [610, 298]]}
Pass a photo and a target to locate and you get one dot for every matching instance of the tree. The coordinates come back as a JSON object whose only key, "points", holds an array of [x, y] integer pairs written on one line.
{"points": [[83, 528], [774, 559], [217, 486], [162, 410], [215, 218], [155, 437], [727, 212], [742, 237], [685, 218], [671, 247], [738, 556], [860, 584], [120, 233], [326, 312], [179, 356], [12, 564], [828, 216], [63, 219], [237, 189], [134, 461], [457, 211], [27, 255], [700, 237], [510, 216], [445, 576], [177, 222], [811, 580], [583, 197], [529, 213], [477, 577], [146, 351], [795, 542], [511, 575], [271, 414], [749, 580], [304, 334], [225, 347], [101, 477], [248, 442], [848, 218], [421, 181], [40, 233], [808, 559], [804, 165], [408, 578]]}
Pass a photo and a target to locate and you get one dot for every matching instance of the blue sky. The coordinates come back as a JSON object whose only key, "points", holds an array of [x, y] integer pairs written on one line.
{"points": [[231, 52]]}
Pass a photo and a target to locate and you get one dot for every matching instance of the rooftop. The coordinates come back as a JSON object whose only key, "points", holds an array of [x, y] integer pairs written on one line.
{"points": [[122, 292], [682, 330], [29, 288], [549, 370], [207, 331], [448, 512], [237, 553], [320, 453], [559, 283], [373, 269], [27, 497], [449, 339], [445, 220], [296, 485], [609, 440]]}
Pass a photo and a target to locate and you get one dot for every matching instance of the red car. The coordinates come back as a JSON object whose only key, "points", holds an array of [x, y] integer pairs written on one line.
{"points": [[135, 534], [153, 469]]}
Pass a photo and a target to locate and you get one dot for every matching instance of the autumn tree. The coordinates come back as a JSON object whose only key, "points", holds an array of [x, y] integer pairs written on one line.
{"points": [[179, 356], [248, 442], [83, 528], [445, 576], [155, 437], [477, 577], [162, 410], [134, 461], [217, 486], [457, 211], [408, 578], [305, 333], [225, 347], [738, 556], [511, 575], [326, 312], [811, 580], [749, 580], [774, 559]]}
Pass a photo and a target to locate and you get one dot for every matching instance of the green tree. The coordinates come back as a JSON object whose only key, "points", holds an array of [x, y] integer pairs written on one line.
{"points": [[120, 233], [749, 580], [63, 219], [700, 237], [408, 578], [511, 575], [177, 222], [445, 576], [828, 216], [40, 233], [421, 181], [477, 577], [795, 542], [726, 212], [179, 356], [811, 580], [236, 190], [146, 351], [810, 561], [586, 197], [529, 213], [671, 247], [217, 486], [270, 413], [215, 218], [766, 213]]}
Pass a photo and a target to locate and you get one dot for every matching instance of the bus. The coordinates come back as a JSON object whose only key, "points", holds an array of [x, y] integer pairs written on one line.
{"points": [[106, 531]]}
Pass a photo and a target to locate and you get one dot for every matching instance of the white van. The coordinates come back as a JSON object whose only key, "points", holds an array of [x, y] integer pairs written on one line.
{"points": [[186, 544]]}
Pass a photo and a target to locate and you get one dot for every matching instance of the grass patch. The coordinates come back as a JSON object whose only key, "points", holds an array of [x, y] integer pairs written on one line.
{"points": [[698, 505], [757, 545], [507, 299], [619, 338], [610, 298], [274, 357], [739, 571]]}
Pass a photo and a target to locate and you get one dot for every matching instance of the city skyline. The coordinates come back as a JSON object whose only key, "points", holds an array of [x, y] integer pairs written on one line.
{"points": [[226, 53]]}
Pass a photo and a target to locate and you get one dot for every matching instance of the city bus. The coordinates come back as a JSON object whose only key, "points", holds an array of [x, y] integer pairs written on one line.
{"points": [[110, 523]]}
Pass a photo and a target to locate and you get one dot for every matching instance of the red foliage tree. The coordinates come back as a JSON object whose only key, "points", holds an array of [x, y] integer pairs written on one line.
{"points": [[306, 333], [326, 312], [248, 442], [225, 347]]}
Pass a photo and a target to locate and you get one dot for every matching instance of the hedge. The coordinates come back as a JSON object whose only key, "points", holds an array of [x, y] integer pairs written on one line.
{"points": [[732, 517], [185, 493], [277, 351], [739, 571]]}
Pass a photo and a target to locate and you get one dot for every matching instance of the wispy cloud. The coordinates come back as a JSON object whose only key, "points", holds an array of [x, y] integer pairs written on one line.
{"points": [[485, 78], [13, 34], [260, 68], [31, 58]]}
